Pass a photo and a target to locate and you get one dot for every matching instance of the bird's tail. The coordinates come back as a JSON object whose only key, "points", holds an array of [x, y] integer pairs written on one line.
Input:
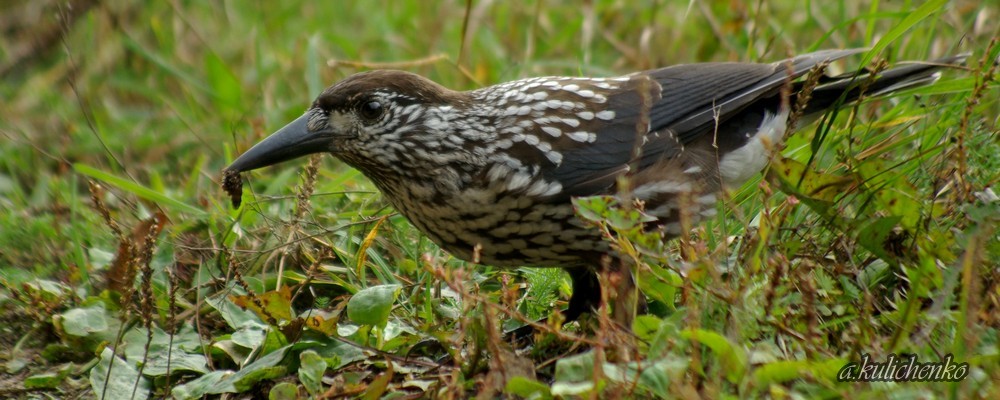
{"points": [[847, 88]]}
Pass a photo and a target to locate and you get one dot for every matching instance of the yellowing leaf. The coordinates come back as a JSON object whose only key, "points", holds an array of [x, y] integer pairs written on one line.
{"points": [[369, 238], [273, 306], [326, 326]]}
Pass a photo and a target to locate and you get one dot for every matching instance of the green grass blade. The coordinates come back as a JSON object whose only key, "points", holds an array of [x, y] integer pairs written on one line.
{"points": [[138, 190], [897, 31]]}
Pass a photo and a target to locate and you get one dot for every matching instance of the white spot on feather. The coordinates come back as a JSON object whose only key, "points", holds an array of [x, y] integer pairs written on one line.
{"points": [[606, 115], [651, 190], [578, 136], [692, 170], [519, 180]]}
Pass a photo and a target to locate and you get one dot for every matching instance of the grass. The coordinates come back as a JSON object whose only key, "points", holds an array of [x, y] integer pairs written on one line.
{"points": [[316, 288]]}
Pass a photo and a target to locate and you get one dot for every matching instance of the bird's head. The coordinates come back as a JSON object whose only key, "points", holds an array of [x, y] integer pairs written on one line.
{"points": [[369, 120]]}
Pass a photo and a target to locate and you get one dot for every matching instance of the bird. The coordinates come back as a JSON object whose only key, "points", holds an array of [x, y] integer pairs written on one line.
{"points": [[490, 175]]}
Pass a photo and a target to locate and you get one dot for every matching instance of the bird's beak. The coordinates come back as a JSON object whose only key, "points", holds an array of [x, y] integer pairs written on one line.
{"points": [[292, 141]]}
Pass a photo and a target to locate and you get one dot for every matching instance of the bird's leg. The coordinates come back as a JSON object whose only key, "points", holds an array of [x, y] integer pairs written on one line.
{"points": [[586, 295], [586, 298]]}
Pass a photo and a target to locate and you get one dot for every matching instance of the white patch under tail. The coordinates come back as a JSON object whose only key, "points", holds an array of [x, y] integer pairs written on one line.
{"points": [[739, 165]]}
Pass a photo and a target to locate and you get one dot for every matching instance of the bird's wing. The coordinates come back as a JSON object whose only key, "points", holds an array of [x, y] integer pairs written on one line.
{"points": [[650, 116]]}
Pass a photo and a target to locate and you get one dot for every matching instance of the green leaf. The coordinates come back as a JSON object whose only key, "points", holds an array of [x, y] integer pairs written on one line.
{"points": [[235, 316], [900, 200], [311, 370], [732, 358], [574, 375], [83, 322], [338, 354], [656, 378], [593, 208], [284, 391], [874, 236], [264, 368], [575, 368], [48, 380], [138, 190], [177, 361], [801, 180], [785, 370], [214, 382], [371, 306], [527, 388], [123, 381], [660, 284], [915, 16]]}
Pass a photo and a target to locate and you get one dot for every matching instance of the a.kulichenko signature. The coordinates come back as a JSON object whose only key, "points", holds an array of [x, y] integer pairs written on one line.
{"points": [[903, 368]]}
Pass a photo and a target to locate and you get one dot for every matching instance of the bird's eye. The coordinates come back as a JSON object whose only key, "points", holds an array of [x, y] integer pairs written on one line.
{"points": [[371, 110]]}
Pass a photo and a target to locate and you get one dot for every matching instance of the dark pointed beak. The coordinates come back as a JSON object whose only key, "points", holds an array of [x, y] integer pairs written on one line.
{"points": [[292, 141]]}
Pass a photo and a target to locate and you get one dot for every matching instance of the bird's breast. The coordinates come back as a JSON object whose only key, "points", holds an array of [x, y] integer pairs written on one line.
{"points": [[495, 226]]}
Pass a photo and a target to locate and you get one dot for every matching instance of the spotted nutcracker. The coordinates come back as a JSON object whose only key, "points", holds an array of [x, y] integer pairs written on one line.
{"points": [[490, 174]]}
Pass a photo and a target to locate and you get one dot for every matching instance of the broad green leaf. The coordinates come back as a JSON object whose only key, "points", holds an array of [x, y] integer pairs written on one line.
{"points": [[235, 316], [899, 199], [49, 380], [379, 385], [875, 236], [266, 367], [799, 179], [214, 382], [527, 388], [656, 377], [785, 370], [159, 364], [338, 354], [311, 370], [83, 322], [660, 284], [576, 368], [732, 358], [123, 381], [284, 391], [249, 336], [593, 208], [575, 375], [371, 306]]}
